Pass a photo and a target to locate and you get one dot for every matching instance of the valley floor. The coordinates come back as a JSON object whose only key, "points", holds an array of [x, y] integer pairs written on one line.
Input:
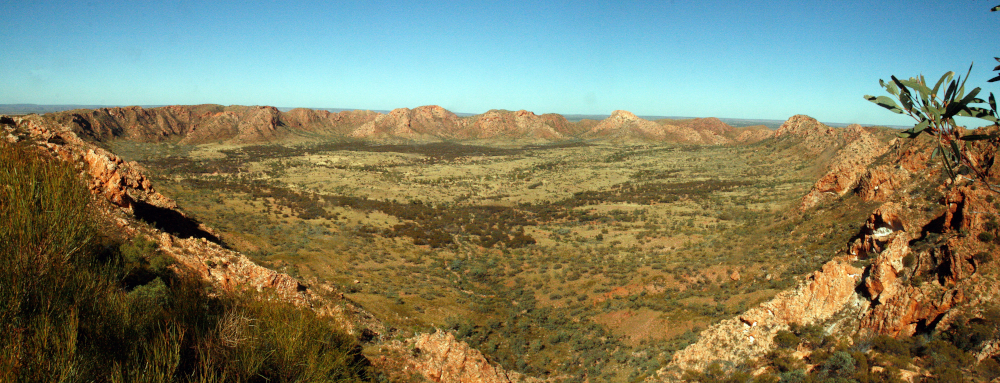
{"points": [[587, 260]]}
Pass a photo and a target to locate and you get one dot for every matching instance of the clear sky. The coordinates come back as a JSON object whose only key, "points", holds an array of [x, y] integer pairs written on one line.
{"points": [[746, 59]]}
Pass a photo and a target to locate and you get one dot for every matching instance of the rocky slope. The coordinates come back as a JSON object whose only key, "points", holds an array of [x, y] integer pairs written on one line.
{"points": [[199, 124], [439, 357], [126, 195], [623, 125], [712, 131], [918, 261]]}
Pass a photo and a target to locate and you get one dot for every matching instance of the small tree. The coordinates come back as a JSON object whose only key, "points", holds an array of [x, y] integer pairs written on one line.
{"points": [[935, 115]]}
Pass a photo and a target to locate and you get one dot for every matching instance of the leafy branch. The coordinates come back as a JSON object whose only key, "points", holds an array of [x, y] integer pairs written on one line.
{"points": [[935, 115]]}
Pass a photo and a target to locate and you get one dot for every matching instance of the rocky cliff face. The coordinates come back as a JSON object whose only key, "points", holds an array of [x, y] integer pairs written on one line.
{"points": [[324, 123], [850, 162], [822, 296], [911, 268], [188, 124], [439, 357], [120, 182], [520, 124]]}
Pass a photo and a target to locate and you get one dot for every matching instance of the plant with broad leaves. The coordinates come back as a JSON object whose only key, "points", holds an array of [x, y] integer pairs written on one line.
{"points": [[935, 115]]}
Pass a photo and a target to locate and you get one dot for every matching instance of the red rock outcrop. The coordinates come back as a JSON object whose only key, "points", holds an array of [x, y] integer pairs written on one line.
{"points": [[120, 182], [819, 298], [396, 124], [849, 164], [922, 270], [196, 124], [710, 131], [751, 134], [520, 124], [441, 358], [803, 126], [623, 125], [325, 123]]}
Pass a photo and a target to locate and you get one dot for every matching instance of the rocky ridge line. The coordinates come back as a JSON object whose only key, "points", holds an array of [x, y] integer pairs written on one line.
{"points": [[197, 124]]}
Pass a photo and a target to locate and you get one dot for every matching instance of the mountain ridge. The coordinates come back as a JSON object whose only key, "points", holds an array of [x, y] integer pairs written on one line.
{"points": [[197, 124]]}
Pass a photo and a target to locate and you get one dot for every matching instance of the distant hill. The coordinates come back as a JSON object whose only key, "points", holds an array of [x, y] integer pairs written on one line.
{"points": [[20, 109], [196, 124]]}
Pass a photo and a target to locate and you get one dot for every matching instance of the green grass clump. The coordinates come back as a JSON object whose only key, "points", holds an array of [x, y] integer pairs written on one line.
{"points": [[77, 304]]}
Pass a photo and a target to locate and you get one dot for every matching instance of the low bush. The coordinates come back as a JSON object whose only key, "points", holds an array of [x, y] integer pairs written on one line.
{"points": [[786, 339]]}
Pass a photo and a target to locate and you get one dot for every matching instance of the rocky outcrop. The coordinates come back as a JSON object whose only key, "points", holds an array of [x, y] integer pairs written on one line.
{"points": [[439, 357], [752, 134], [193, 124], [520, 124], [120, 182], [822, 296], [396, 124], [849, 164], [816, 136], [623, 125], [710, 131], [325, 123], [230, 270], [922, 268]]}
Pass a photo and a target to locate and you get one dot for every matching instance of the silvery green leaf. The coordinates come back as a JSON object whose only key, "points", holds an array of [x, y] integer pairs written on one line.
{"points": [[885, 102]]}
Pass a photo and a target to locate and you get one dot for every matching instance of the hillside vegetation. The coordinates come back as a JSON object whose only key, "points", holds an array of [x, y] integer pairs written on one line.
{"points": [[82, 303]]}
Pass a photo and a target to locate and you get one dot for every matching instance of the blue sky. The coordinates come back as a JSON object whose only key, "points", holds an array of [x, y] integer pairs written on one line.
{"points": [[747, 59]]}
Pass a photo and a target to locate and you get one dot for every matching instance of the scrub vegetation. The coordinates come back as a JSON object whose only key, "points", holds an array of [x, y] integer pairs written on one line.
{"points": [[582, 259]]}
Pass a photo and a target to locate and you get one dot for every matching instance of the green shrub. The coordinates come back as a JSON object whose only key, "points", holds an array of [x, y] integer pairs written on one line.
{"points": [[989, 368], [812, 334], [968, 334], [782, 361], [986, 237], [786, 339], [840, 365], [889, 345], [944, 354], [908, 260]]}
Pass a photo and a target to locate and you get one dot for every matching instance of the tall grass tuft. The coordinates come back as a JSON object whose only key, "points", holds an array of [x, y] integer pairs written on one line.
{"points": [[79, 304], [46, 229]]}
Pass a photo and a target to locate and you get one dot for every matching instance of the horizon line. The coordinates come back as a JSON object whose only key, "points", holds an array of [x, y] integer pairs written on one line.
{"points": [[31, 108]]}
